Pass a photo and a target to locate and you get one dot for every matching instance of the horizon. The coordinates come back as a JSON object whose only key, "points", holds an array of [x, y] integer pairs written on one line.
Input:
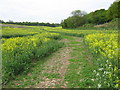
{"points": [[47, 11]]}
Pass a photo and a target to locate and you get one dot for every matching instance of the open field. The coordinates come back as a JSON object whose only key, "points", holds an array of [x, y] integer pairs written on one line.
{"points": [[52, 57]]}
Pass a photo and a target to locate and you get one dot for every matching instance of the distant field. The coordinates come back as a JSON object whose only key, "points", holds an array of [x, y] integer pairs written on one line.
{"points": [[23, 45], [19, 31]]}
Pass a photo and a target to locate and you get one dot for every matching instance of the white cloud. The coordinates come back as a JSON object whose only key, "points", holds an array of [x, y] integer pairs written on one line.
{"points": [[47, 10]]}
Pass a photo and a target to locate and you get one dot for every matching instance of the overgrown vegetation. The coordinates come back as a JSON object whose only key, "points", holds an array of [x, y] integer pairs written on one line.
{"points": [[92, 40], [105, 50], [19, 52], [80, 18], [104, 47], [8, 32]]}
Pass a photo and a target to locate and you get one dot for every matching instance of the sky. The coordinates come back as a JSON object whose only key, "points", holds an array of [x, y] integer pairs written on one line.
{"points": [[52, 11]]}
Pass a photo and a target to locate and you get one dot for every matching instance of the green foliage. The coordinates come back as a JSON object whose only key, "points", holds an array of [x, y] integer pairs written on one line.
{"points": [[97, 17], [105, 51], [80, 18], [114, 11], [79, 73], [78, 13], [104, 48], [77, 19], [1, 21], [73, 22], [8, 32], [19, 52], [32, 23], [88, 67], [114, 24]]}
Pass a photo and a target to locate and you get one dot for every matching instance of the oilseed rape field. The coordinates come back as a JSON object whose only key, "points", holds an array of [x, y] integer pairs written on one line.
{"points": [[104, 45], [18, 52], [22, 46]]}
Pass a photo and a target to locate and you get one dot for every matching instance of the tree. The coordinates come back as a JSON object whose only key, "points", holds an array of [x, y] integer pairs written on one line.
{"points": [[77, 19], [1, 21], [11, 21], [78, 13], [74, 21], [114, 10], [97, 17]]}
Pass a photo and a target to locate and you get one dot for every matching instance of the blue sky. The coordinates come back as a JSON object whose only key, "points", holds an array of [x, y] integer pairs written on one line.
{"points": [[52, 11]]}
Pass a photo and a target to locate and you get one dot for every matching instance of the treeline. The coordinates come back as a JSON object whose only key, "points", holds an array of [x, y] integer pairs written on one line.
{"points": [[31, 23], [81, 18]]}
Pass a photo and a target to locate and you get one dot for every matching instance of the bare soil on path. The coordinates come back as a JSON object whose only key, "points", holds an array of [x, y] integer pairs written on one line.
{"points": [[52, 71], [56, 67]]}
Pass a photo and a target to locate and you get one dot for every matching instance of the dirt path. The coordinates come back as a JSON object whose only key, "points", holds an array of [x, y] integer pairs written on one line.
{"points": [[55, 68], [52, 73], [69, 67]]}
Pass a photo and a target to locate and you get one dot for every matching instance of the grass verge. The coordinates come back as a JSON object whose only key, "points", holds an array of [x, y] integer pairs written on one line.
{"points": [[80, 69]]}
